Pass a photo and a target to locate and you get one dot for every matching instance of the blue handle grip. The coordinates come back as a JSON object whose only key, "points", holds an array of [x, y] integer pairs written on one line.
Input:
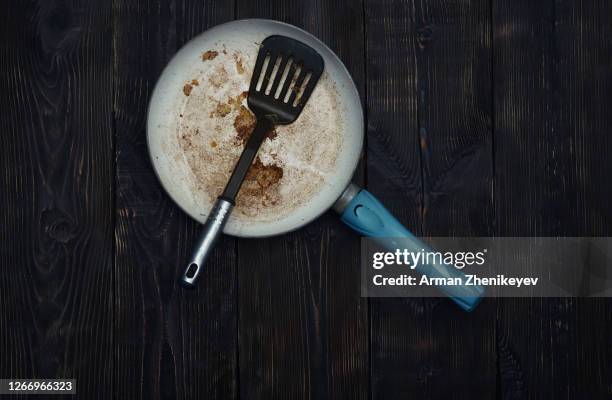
{"points": [[365, 214]]}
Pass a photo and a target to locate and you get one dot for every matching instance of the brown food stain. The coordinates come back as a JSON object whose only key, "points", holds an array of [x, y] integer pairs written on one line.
{"points": [[222, 110], [244, 123], [264, 175], [219, 77], [269, 191], [237, 101], [209, 55], [194, 82], [239, 65], [272, 134], [187, 89], [261, 184]]}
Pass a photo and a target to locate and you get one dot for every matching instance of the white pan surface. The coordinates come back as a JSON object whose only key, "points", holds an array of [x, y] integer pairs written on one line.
{"points": [[194, 133]]}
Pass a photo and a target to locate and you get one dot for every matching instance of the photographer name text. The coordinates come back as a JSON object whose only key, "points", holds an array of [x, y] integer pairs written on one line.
{"points": [[469, 280]]}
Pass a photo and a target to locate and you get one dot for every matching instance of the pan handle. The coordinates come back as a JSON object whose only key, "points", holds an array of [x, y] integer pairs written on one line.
{"points": [[213, 228], [364, 213]]}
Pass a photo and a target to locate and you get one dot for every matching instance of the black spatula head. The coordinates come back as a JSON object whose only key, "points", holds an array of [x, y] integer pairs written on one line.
{"points": [[285, 74]]}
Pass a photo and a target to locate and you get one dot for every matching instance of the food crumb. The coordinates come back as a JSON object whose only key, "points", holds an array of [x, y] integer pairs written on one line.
{"points": [[213, 144], [187, 89], [209, 55], [222, 110], [237, 101], [219, 77], [194, 82], [272, 134], [244, 123], [264, 175], [239, 66]]}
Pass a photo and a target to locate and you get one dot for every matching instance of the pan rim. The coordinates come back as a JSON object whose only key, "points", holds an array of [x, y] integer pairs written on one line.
{"points": [[357, 114]]}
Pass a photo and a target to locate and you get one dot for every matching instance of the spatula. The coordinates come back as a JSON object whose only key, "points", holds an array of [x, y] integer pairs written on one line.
{"points": [[285, 74]]}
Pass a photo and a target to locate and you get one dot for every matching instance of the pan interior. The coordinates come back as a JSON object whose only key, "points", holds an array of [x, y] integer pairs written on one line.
{"points": [[198, 123]]}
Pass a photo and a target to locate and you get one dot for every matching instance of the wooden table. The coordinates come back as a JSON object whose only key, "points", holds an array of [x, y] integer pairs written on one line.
{"points": [[483, 118]]}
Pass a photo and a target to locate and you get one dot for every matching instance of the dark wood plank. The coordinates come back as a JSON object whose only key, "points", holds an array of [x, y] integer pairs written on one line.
{"points": [[170, 343], [550, 120], [430, 161], [582, 42], [393, 175], [455, 135], [302, 323], [56, 294], [535, 345]]}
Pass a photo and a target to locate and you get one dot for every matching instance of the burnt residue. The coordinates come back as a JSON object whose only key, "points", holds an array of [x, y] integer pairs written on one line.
{"points": [[261, 184], [264, 175], [221, 110], [218, 77], [189, 87], [232, 103], [209, 55], [271, 135], [244, 123], [215, 123], [236, 102], [239, 65]]}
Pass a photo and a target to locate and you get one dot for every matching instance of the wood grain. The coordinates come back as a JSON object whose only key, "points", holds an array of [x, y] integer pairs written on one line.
{"points": [[583, 43], [528, 145], [394, 176], [545, 174], [454, 83], [429, 160], [483, 118], [302, 323], [170, 343], [56, 294]]}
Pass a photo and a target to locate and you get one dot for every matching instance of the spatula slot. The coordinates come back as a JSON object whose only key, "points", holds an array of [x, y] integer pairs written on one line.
{"points": [[301, 90], [285, 73], [278, 85], [298, 84], [273, 74], [262, 72], [292, 83]]}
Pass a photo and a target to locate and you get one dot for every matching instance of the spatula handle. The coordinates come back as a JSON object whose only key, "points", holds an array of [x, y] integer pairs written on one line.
{"points": [[213, 228], [246, 158]]}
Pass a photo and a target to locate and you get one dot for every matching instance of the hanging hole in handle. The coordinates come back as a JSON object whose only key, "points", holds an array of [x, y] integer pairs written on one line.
{"points": [[191, 270]]}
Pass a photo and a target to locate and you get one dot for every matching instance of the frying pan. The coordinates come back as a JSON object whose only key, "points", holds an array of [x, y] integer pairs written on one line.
{"points": [[358, 208]]}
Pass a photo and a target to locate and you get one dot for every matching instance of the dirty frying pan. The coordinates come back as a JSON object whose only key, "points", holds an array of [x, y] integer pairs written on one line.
{"points": [[196, 128]]}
